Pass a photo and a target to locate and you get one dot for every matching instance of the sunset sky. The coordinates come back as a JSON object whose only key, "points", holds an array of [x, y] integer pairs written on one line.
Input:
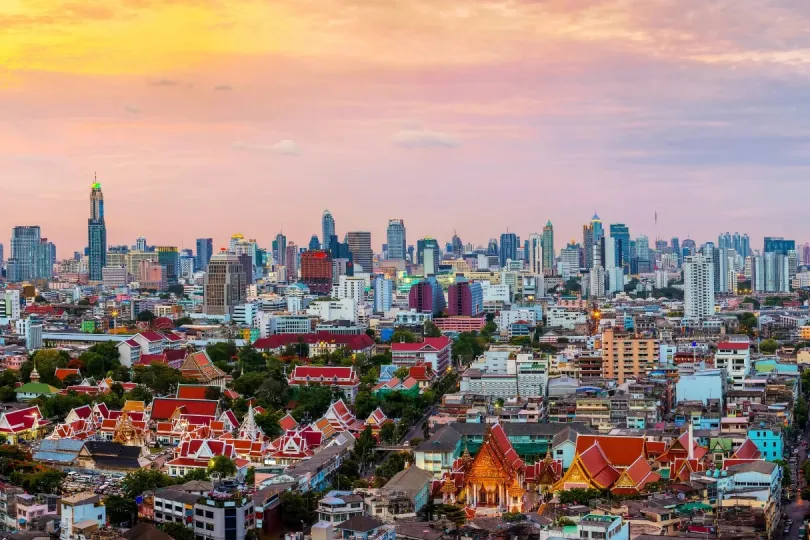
{"points": [[210, 117]]}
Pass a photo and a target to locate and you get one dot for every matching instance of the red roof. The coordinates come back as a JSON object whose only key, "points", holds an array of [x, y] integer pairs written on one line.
{"points": [[163, 323], [598, 466], [619, 451], [437, 343], [174, 354], [733, 346], [326, 372], [420, 372], [287, 423], [163, 408], [64, 373], [510, 456], [20, 420], [171, 336], [152, 336], [149, 359], [354, 342], [192, 391], [747, 450], [132, 343]]}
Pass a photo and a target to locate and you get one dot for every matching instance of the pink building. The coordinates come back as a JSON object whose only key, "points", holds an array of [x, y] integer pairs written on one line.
{"points": [[151, 275], [14, 362], [460, 324]]}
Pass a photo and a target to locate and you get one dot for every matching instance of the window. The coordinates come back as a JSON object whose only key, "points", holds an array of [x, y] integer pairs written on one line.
{"points": [[158, 504], [209, 514], [198, 524], [198, 512], [209, 526], [159, 515]]}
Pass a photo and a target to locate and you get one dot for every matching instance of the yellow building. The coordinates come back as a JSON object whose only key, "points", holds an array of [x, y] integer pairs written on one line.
{"points": [[627, 356], [804, 333]]}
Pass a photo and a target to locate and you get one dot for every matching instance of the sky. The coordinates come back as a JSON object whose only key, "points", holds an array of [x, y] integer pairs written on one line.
{"points": [[204, 118]]}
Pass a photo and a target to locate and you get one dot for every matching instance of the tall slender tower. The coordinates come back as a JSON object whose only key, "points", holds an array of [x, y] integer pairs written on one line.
{"points": [[96, 234], [548, 248], [397, 241], [328, 225]]}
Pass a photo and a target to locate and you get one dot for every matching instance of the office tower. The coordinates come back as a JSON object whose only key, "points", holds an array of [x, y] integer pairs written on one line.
{"points": [[31, 256], [509, 248], [427, 254], [395, 235], [676, 250], [569, 259], [411, 250], [535, 253], [645, 261], [596, 280], [688, 247], [549, 254], [280, 249], [328, 228], [360, 246], [465, 299], [492, 247], [205, 248], [291, 261], [225, 284], [805, 254], [777, 272], [458, 246], [96, 234], [587, 246], [186, 265], [597, 228], [234, 241], [314, 243], [777, 244], [247, 266], [698, 279], [793, 263], [621, 233], [316, 271], [383, 294], [169, 258], [140, 243], [613, 269]]}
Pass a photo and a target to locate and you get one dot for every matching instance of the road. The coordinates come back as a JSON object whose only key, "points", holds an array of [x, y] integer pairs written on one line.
{"points": [[797, 508]]}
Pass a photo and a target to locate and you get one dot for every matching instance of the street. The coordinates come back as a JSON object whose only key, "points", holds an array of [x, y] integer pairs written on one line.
{"points": [[796, 509]]}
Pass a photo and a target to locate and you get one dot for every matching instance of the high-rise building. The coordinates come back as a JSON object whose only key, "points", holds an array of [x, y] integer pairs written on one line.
{"points": [[535, 257], [805, 254], [509, 248], [234, 241], [280, 249], [383, 294], [360, 246], [205, 248], [597, 282], [186, 265], [698, 279], [291, 261], [428, 255], [316, 271], [777, 272], [169, 258], [777, 244], [598, 229], [465, 299], [225, 285], [676, 249], [397, 244], [2, 260], [427, 297], [96, 234], [549, 255], [621, 233], [31, 257], [328, 228], [587, 246], [140, 243], [725, 241], [314, 243], [458, 246], [492, 247]]}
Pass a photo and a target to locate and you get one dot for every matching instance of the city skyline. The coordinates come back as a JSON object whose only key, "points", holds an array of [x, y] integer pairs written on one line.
{"points": [[554, 108]]}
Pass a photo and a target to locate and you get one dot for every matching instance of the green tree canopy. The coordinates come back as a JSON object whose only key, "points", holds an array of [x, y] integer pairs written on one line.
{"points": [[178, 531], [120, 510], [431, 330], [146, 316], [222, 465], [138, 482], [403, 335], [159, 378], [768, 346]]}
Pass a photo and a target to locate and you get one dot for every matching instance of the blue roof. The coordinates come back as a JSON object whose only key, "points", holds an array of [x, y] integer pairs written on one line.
{"points": [[60, 445], [387, 372], [55, 457]]}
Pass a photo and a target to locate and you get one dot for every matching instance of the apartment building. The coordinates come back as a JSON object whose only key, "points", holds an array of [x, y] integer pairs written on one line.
{"points": [[626, 356]]}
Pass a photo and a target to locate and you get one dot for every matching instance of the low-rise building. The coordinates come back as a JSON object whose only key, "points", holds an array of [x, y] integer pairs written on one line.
{"points": [[82, 515]]}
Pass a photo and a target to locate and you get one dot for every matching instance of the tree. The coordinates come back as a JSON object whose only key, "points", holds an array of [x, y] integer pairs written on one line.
{"points": [[196, 474], [178, 531], [250, 477], [388, 433], [222, 351], [183, 321], [222, 465], [453, 513], [298, 509], [47, 361], [146, 316], [313, 401], [801, 412], [138, 482], [402, 373], [213, 393], [431, 330], [786, 478], [159, 378], [139, 393], [578, 496], [426, 430], [120, 509], [403, 335], [177, 290], [768, 346], [269, 423], [752, 301], [250, 359]]}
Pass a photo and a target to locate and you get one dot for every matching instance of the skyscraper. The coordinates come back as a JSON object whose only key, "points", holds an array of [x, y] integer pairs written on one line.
{"points": [[383, 294], [621, 233], [360, 246], [548, 249], [31, 256], [587, 246], [140, 243], [536, 259], [225, 285], [169, 258], [509, 248], [96, 234], [291, 261], [458, 245], [465, 299], [777, 244], [698, 279], [395, 235], [314, 243], [316, 271], [328, 228], [428, 255], [280, 254], [205, 248], [2, 260]]}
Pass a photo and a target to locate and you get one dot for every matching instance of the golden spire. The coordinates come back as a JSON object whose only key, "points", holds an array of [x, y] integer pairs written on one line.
{"points": [[448, 486]]}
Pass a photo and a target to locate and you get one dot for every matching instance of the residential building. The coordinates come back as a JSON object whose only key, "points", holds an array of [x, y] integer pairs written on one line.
{"points": [[549, 255], [114, 277], [465, 299], [735, 358], [81, 515], [698, 272], [96, 234], [316, 271], [438, 454], [169, 258], [777, 244], [405, 494], [427, 297], [224, 519], [769, 440], [535, 253], [339, 506], [383, 294], [397, 242], [626, 356], [428, 255], [225, 285], [32, 256], [432, 351]]}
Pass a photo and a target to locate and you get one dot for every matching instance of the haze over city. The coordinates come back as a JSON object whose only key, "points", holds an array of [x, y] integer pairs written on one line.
{"points": [[210, 118]]}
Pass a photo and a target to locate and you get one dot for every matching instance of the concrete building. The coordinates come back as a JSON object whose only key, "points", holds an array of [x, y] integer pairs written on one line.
{"points": [[360, 247], [701, 386], [627, 356], [465, 299], [225, 285], [205, 250], [316, 271], [114, 277], [596, 282], [698, 276], [735, 358], [397, 242], [82, 514], [383, 294]]}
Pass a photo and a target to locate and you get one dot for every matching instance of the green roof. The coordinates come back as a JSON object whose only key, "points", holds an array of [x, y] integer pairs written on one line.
{"points": [[96, 185], [36, 388], [721, 442]]}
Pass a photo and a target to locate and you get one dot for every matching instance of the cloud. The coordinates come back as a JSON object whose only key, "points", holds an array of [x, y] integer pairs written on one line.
{"points": [[423, 138], [285, 147], [132, 109], [223, 87], [164, 82]]}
